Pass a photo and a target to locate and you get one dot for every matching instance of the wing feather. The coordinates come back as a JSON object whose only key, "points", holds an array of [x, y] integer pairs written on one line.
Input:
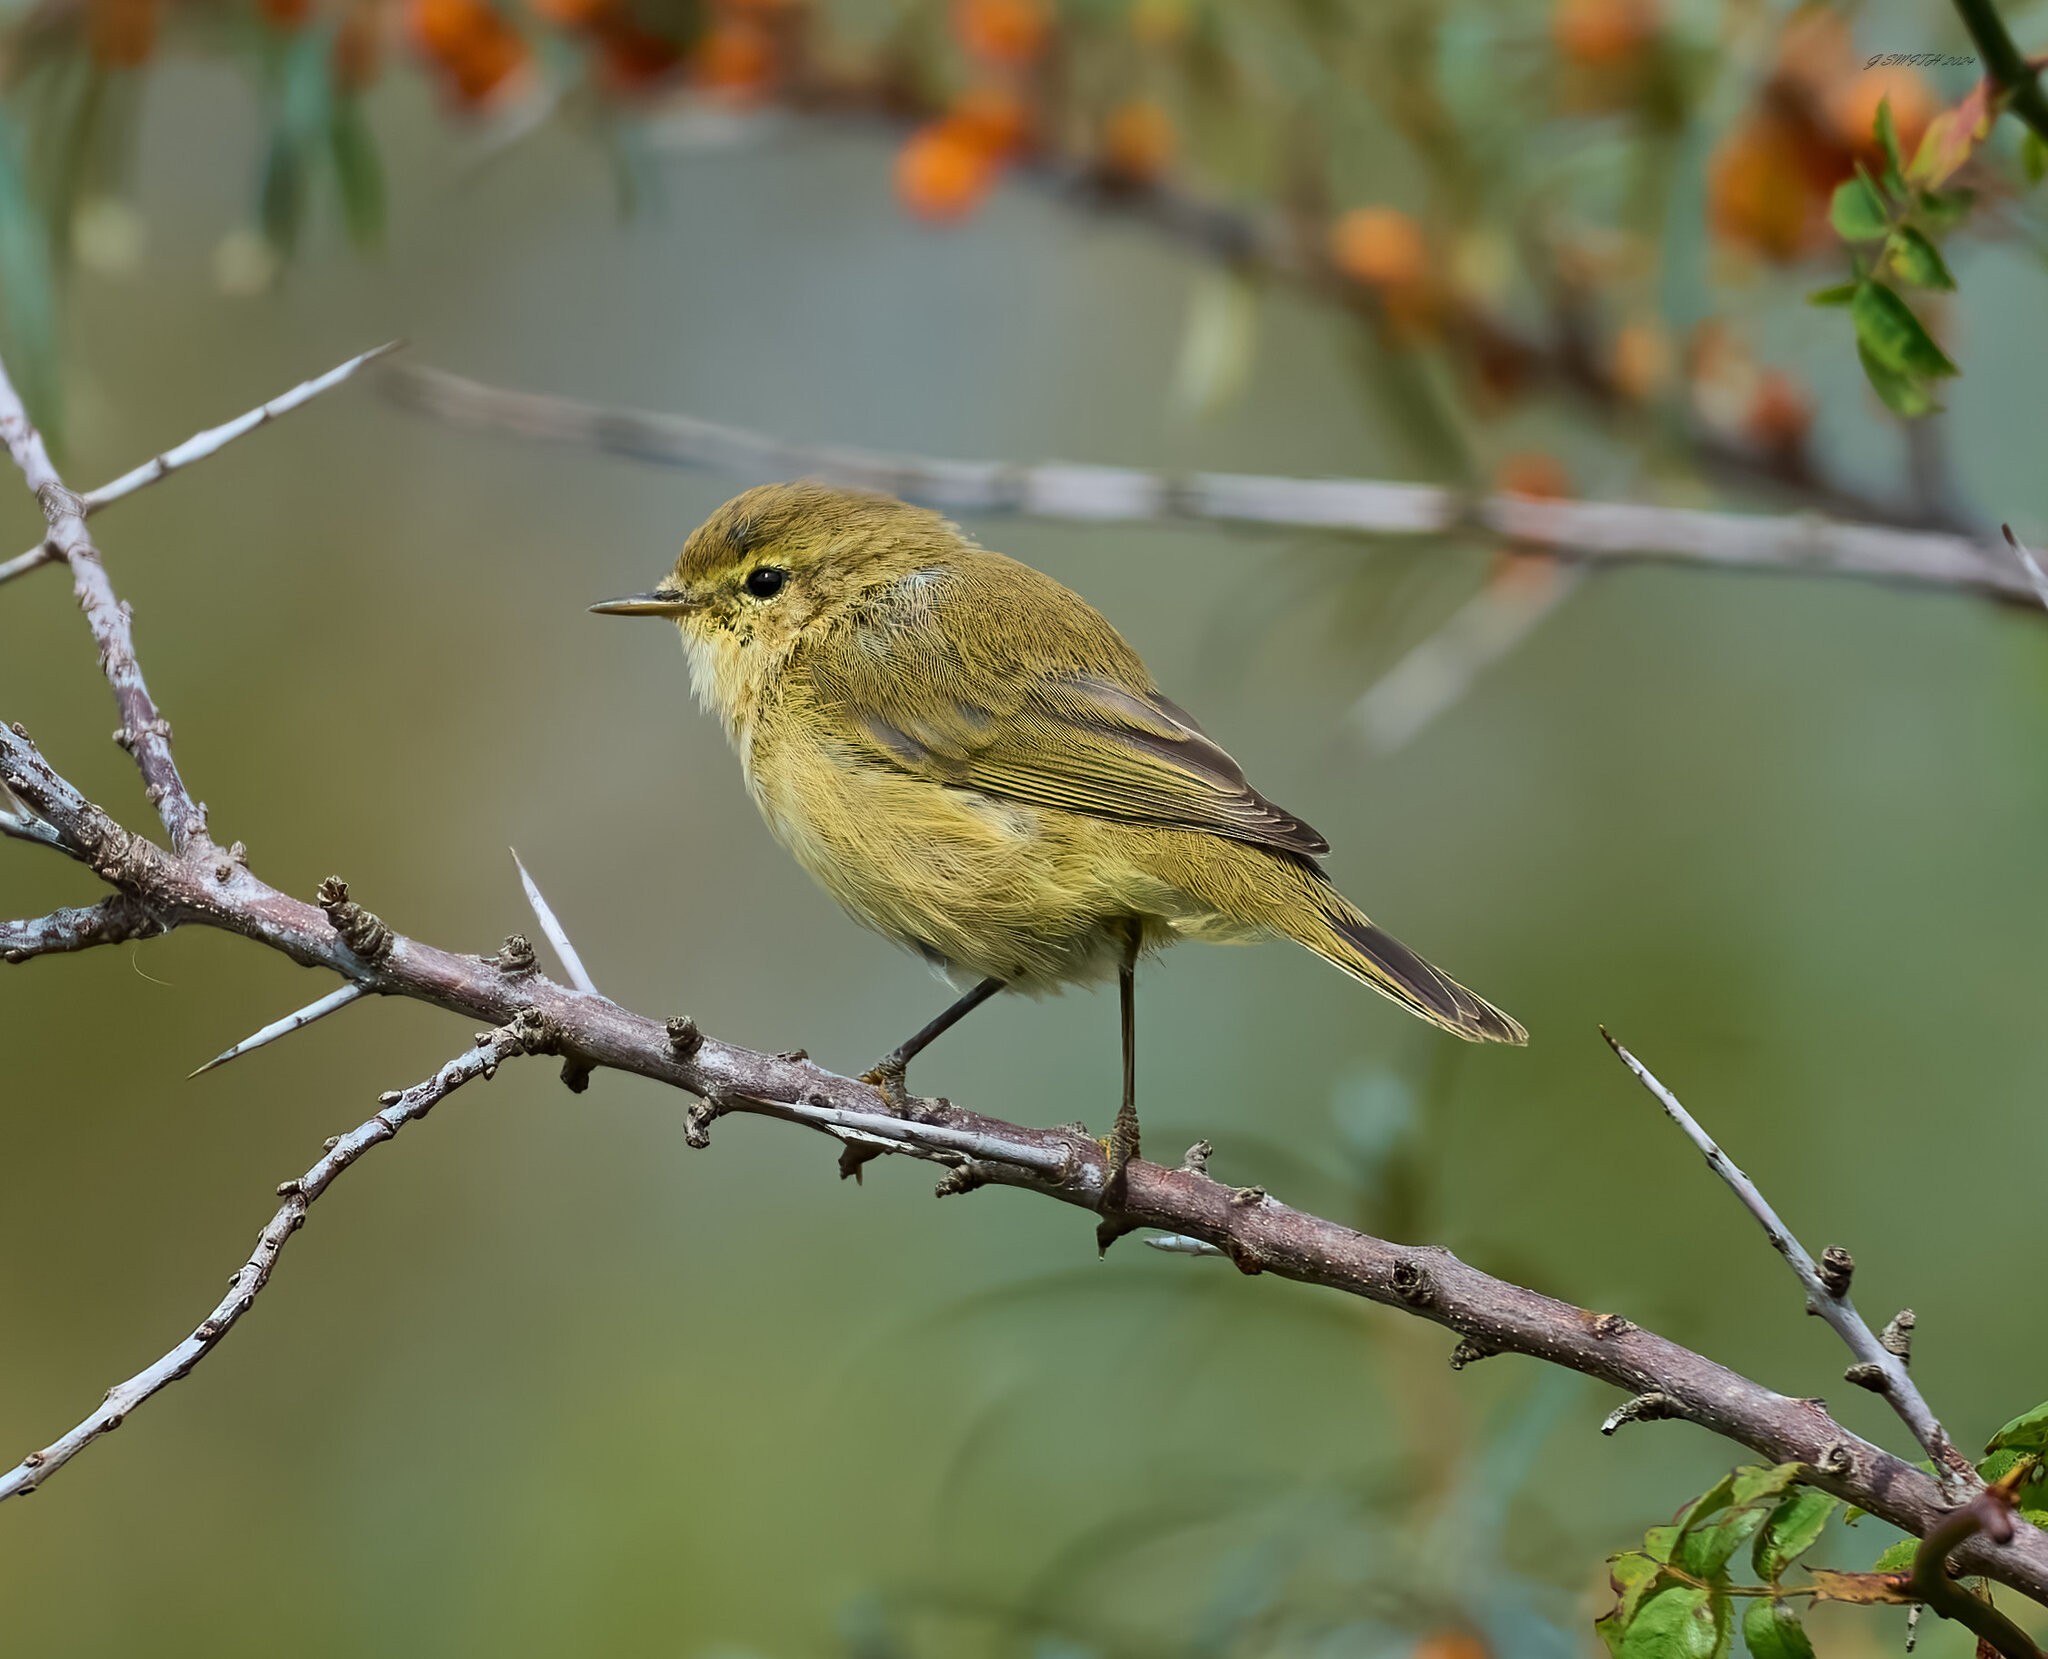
{"points": [[1051, 708]]}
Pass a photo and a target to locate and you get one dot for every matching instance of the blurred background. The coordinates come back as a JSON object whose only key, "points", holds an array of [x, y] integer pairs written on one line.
{"points": [[541, 1380]]}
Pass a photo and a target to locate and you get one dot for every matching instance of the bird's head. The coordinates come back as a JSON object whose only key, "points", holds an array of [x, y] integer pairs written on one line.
{"points": [[771, 562]]}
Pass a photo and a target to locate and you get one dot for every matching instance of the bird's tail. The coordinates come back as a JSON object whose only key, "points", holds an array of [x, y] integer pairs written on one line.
{"points": [[1339, 932]]}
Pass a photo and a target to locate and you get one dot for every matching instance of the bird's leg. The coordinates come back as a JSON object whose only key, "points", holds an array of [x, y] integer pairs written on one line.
{"points": [[888, 1072], [1122, 1145]]}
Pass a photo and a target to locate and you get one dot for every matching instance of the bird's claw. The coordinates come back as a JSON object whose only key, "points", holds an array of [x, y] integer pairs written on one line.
{"points": [[890, 1081]]}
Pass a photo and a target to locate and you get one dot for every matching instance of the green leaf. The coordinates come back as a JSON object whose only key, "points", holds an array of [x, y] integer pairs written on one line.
{"points": [[1943, 209], [1716, 1497], [1888, 141], [360, 173], [1757, 1481], [1659, 1542], [2033, 157], [1840, 294], [1886, 326], [1857, 211], [1681, 1622], [1631, 1574], [1917, 260], [1901, 393], [1217, 344], [1705, 1550], [1771, 1630], [1792, 1529], [1897, 1558], [2027, 1432]]}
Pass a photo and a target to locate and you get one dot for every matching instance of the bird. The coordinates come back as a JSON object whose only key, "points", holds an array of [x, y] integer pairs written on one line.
{"points": [[970, 759]]}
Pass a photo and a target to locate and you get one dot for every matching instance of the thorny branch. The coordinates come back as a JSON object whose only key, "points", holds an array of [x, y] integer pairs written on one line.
{"points": [[1879, 1368], [393, 1114], [196, 883], [1588, 532]]}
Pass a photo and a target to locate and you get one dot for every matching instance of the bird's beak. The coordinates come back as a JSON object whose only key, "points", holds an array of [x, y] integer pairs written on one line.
{"points": [[657, 603]]}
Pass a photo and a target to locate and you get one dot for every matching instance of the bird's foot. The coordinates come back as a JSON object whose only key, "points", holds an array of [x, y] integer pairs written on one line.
{"points": [[1120, 1145], [890, 1078]]}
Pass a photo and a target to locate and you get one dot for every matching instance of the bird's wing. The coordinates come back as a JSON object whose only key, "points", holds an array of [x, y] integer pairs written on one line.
{"points": [[1014, 686]]}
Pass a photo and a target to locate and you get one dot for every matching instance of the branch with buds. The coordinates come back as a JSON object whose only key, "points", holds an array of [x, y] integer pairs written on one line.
{"points": [[193, 881]]}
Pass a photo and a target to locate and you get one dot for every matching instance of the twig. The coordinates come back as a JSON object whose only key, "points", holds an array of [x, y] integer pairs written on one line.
{"points": [[1593, 532], [2035, 573], [78, 927], [318, 1009], [558, 936], [397, 1111], [2006, 64], [1827, 1292], [197, 448], [144, 732], [1988, 1513], [1482, 632]]}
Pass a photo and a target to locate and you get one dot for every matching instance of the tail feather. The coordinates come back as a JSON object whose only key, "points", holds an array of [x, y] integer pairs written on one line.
{"points": [[1342, 935]]}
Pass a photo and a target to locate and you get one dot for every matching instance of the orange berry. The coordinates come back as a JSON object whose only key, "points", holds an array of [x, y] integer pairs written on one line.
{"points": [[1780, 413], [121, 34], [994, 117], [1381, 247], [1138, 142], [943, 172], [1012, 32], [1533, 473], [1603, 33], [1641, 363], [735, 59], [1764, 194], [476, 51]]}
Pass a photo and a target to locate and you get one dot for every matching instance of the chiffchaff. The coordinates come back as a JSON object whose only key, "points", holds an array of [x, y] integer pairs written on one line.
{"points": [[972, 761]]}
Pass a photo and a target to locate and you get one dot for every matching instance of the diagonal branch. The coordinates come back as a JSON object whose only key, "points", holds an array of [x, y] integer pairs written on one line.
{"points": [[197, 448], [396, 1111], [144, 732], [1877, 1367], [1591, 532], [78, 927], [1258, 1233]]}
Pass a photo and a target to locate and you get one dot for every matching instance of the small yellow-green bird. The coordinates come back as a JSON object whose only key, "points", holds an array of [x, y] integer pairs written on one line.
{"points": [[972, 761]]}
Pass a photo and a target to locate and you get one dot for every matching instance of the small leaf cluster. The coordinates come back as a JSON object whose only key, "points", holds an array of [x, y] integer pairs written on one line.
{"points": [[1904, 218], [2023, 1441], [1676, 1596]]}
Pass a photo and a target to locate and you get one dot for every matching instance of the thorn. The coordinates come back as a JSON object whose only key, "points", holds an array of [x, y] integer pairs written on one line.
{"points": [[286, 1026], [1644, 1408], [1181, 1244], [579, 976]]}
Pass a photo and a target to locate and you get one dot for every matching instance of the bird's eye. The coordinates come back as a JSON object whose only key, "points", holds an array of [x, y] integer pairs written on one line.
{"points": [[765, 581]]}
